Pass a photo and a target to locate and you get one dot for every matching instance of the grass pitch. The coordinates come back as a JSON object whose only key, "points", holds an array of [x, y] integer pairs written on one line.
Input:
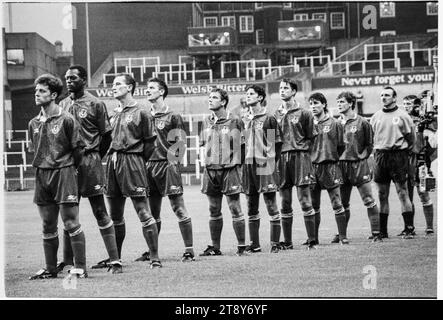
{"points": [[394, 268]]}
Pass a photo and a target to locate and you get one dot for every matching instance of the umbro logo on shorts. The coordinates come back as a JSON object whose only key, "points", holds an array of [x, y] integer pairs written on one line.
{"points": [[365, 177], [272, 186], [139, 189], [97, 187], [71, 197], [234, 187], [336, 181], [174, 187]]}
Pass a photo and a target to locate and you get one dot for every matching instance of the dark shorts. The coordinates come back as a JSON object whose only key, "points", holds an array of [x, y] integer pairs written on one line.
{"points": [[413, 178], [295, 169], [355, 173], [254, 181], [327, 175], [391, 165], [56, 186], [224, 181], [126, 177], [91, 176], [164, 178]]}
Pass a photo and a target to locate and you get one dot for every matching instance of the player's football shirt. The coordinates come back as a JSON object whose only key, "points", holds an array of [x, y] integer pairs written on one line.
{"points": [[390, 129], [131, 127], [328, 140], [170, 130], [297, 126], [222, 139], [92, 116], [262, 133], [358, 137], [53, 140]]}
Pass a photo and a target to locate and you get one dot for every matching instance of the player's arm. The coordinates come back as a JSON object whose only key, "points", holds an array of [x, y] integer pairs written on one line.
{"points": [[72, 129], [409, 132], [31, 137], [178, 136], [104, 128], [368, 137], [278, 138], [341, 146], [148, 134], [310, 130]]}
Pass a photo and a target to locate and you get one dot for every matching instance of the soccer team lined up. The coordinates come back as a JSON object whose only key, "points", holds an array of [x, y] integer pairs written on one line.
{"points": [[255, 153]]}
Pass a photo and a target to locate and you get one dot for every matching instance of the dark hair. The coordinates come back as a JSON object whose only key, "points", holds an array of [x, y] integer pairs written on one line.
{"points": [[349, 97], [291, 82], [223, 95], [410, 97], [81, 71], [259, 90], [394, 93], [54, 83], [319, 97], [161, 84], [128, 80]]}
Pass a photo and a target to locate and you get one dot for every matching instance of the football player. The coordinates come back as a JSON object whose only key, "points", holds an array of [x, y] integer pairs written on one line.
{"points": [[57, 148], [163, 167]]}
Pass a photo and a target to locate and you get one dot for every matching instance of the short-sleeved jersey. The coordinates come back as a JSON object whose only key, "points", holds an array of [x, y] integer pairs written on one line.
{"points": [[358, 138], [92, 116], [262, 133], [131, 127], [297, 127], [53, 140], [328, 140], [391, 128], [222, 139], [419, 137]]}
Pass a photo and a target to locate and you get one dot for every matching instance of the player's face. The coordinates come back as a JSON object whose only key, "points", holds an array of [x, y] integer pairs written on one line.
{"points": [[214, 101], [387, 97], [317, 107], [252, 98], [74, 82], [119, 87], [343, 105], [154, 92], [408, 104], [43, 96], [286, 92]]}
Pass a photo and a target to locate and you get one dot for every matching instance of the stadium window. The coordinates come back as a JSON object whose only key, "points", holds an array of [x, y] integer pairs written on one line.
{"points": [[337, 20], [246, 24], [301, 17], [210, 21], [319, 16], [259, 5], [259, 36], [387, 9], [432, 8], [287, 5], [228, 21], [15, 57]]}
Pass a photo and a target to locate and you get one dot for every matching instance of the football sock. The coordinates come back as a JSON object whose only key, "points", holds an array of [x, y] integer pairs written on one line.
{"points": [[286, 226], [347, 215], [275, 231], [239, 229], [215, 229], [254, 227], [374, 219], [429, 215], [384, 223], [317, 218], [150, 233], [78, 243], [340, 219], [408, 218], [120, 233], [310, 224], [108, 235], [186, 231], [159, 226], [68, 255], [50, 247]]}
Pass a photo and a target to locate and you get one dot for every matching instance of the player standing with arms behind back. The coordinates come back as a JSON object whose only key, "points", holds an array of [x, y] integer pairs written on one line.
{"points": [[57, 149], [163, 167], [95, 131], [297, 126], [132, 144], [394, 137], [359, 142]]}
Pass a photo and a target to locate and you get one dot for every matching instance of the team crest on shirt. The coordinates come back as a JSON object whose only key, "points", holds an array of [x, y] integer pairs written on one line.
{"points": [[55, 129], [294, 120], [225, 130], [160, 124], [128, 118], [259, 125], [326, 129], [82, 113], [395, 120], [353, 129]]}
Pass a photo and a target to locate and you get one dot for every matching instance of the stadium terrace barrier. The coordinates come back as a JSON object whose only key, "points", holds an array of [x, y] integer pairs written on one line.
{"points": [[244, 63], [179, 73]]}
